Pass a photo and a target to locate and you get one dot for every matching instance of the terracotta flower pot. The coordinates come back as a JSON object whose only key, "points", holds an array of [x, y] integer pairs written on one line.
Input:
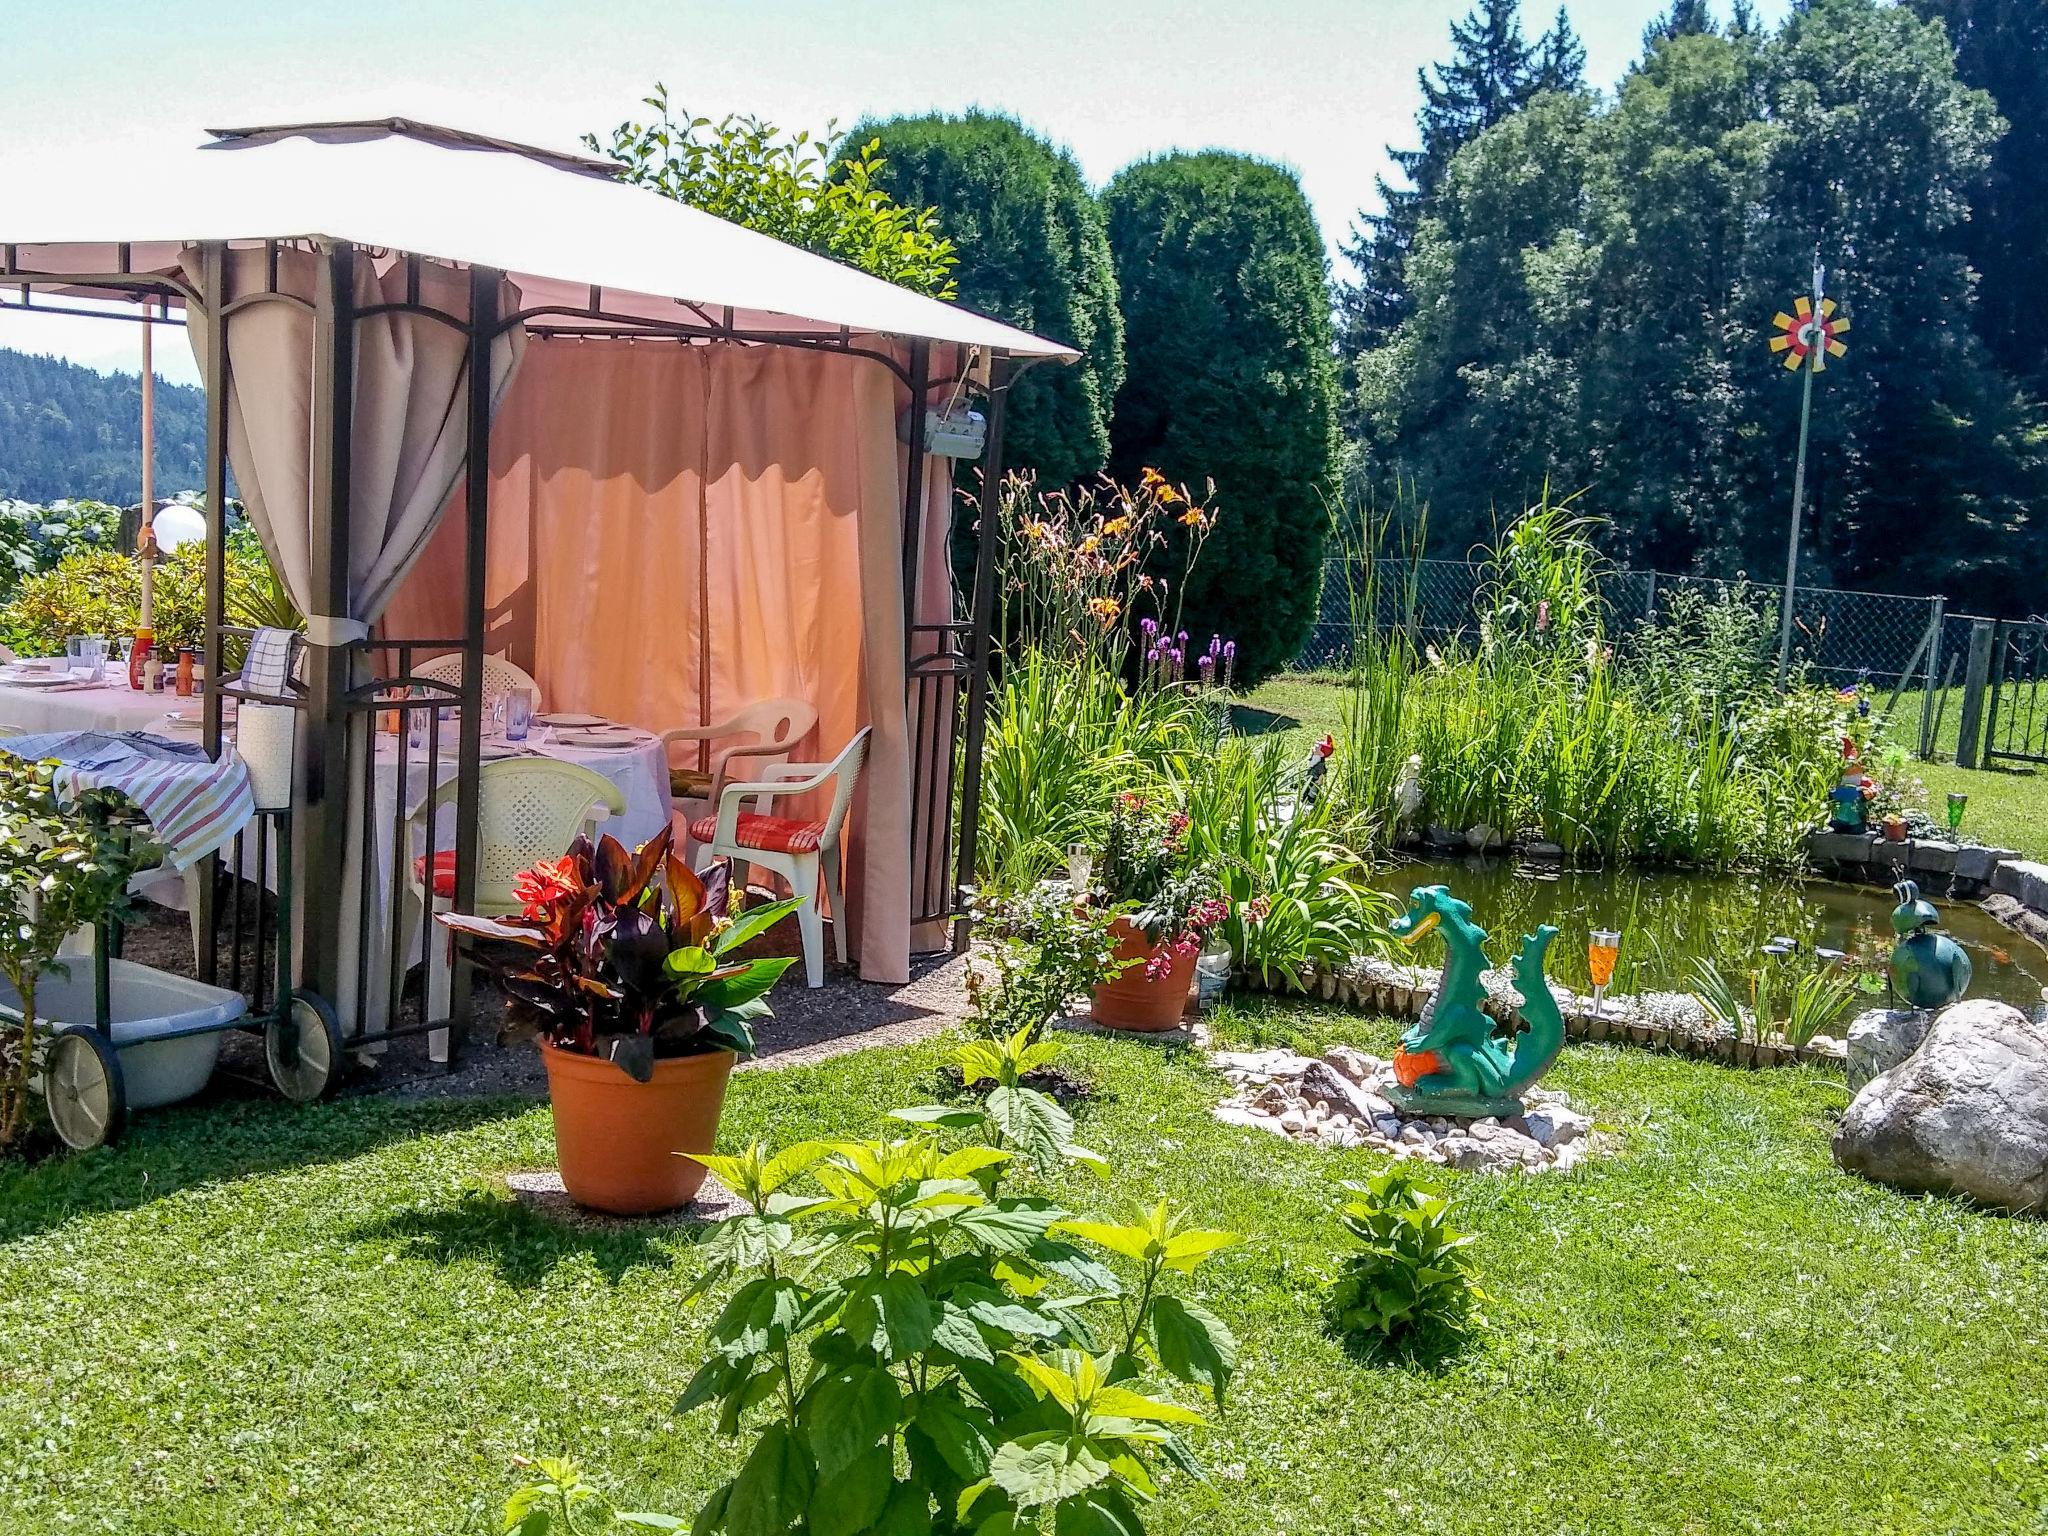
{"points": [[617, 1140], [1135, 1001]]}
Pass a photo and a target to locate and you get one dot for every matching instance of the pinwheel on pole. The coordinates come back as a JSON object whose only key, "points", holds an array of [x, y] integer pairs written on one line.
{"points": [[1806, 339]]}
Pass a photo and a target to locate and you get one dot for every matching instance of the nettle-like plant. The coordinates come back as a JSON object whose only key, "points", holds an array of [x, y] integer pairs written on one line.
{"points": [[628, 956], [914, 1348], [64, 865], [1014, 1116], [1412, 1285]]}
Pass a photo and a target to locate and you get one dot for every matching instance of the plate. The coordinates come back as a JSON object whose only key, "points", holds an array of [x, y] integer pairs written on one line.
{"points": [[177, 722], [598, 738], [36, 679], [572, 721]]}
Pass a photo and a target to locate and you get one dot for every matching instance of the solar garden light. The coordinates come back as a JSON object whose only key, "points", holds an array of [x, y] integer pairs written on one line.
{"points": [[1603, 947]]}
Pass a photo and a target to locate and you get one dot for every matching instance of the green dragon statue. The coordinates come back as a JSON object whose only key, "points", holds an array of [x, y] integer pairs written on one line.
{"points": [[1451, 1063]]}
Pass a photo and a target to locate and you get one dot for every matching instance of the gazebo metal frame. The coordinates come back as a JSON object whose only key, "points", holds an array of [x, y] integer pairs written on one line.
{"points": [[942, 661]]}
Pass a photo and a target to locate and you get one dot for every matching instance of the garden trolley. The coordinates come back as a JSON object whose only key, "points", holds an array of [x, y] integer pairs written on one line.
{"points": [[163, 1024]]}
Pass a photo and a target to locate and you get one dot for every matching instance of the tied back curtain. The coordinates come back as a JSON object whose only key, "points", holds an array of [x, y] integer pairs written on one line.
{"points": [[677, 531], [409, 436]]}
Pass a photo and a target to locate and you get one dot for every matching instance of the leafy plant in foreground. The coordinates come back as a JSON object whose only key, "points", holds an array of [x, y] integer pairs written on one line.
{"points": [[1413, 1284], [913, 1349]]}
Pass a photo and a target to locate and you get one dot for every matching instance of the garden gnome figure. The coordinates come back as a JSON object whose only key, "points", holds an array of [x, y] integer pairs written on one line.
{"points": [[1929, 969]]}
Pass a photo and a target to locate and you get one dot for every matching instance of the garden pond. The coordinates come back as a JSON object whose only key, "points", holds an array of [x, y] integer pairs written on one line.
{"points": [[1671, 920]]}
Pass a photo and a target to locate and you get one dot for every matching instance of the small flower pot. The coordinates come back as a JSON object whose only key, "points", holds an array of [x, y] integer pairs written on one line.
{"points": [[1137, 1002], [618, 1141], [1895, 829]]}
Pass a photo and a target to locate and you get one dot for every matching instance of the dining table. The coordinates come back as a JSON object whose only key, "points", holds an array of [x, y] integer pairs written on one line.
{"points": [[634, 760]]}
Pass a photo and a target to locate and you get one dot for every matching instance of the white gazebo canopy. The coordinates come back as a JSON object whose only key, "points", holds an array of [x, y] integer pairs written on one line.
{"points": [[557, 225]]}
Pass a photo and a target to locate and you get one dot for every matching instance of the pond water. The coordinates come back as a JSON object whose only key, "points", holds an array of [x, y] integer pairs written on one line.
{"points": [[1671, 919]]}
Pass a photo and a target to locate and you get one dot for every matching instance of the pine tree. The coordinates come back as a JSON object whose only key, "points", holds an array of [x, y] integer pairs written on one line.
{"points": [[1492, 71], [1686, 18]]}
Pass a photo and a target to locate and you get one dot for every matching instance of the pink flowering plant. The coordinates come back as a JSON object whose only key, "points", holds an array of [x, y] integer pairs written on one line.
{"points": [[1150, 875]]}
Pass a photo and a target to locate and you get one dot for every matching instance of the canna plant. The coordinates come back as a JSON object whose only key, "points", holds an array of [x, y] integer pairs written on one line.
{"points": [[913, 1348]]}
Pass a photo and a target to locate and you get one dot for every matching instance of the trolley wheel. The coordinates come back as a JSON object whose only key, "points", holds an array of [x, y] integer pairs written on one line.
{"points": [[82, 1087], [302, 1044]]}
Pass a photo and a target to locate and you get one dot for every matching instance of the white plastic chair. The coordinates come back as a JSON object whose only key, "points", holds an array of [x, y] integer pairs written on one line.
{"points": [[528, 809], [500, 675], [793, 849], [763, 732]]}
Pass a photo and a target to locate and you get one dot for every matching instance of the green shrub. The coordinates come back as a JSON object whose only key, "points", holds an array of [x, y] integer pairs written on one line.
{"points": [[98, 591], [1412, 1285]]}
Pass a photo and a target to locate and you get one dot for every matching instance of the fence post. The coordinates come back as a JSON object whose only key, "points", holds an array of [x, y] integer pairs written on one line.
{"points": [[1937, 616], [1976, 679]]}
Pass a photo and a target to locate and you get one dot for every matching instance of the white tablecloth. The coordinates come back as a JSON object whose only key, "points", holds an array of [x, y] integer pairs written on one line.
{"points": [[108, 706]]}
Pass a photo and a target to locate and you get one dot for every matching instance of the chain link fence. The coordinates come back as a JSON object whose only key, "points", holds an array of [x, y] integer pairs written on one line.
{"points": [[1890, 642]]}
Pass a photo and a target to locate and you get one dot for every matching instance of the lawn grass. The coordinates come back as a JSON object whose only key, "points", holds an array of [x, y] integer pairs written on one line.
{"points": [[254, 1318], [2008, 804]]}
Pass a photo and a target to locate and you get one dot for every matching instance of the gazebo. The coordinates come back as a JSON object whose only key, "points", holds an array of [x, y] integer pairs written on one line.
{"points": [[699, 469]]}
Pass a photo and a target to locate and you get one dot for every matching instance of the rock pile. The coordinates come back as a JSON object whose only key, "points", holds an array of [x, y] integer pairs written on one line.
{"points": [[1340, 1100]]}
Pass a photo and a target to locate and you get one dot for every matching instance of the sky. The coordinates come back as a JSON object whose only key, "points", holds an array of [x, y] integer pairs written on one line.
{"points": [[1319, 85]]}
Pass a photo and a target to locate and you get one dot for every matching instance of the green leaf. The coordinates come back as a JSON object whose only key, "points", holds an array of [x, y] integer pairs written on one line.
{"points": [[1122, 1403], [758, 1318], [754, 922], [715, 1377], [1008, 1226], [851, 1499], [848, 1412], [907, 1513], [892, 1316], [711, 1518], [1046, 1468], [734, 991], [1003, 1392], [773, 1488], [1194, 1344], [954, 1332], [1077, 1268], [1098, 1512], [1032, 1122], [1131, 1242], [949, 1115], [683, 963], [961, 1435]]}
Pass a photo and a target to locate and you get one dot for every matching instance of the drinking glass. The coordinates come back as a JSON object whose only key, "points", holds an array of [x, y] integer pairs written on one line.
{"points": [[494, 716], [518, 714], [1957, 799]]}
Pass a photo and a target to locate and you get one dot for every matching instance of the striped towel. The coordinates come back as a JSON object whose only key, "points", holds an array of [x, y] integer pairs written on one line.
{"points": [[193, 804]]}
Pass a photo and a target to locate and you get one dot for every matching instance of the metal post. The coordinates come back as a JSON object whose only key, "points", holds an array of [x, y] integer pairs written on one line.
{"points": [[1815, 353], [983, 614], [214, 288], [1936, 620], [483, 324], [1976, 683], [323, 756], [913, 493]]}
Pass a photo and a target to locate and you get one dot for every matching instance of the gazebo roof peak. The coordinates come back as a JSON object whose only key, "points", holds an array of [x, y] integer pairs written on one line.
{"points": [[356, 129]]}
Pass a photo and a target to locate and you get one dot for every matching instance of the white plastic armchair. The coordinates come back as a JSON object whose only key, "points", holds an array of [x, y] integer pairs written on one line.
{"points": [[762, 735], [528, 809], [500, 675], [800, 851]]}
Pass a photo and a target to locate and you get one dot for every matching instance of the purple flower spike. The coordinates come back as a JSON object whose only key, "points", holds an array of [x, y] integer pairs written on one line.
{"points": [[1229, 648], [1150, 627], [1215, 645], [1182, 637]]}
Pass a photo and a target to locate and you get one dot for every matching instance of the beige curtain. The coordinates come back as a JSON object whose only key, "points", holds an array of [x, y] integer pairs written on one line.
{"points": [[679, 530], [410, 427]]}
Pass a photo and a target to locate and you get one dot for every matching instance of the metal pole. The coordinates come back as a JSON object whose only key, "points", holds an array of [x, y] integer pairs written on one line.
{"points": [[1936, 620], [483, 322], [1814, 353], [145, 539], [983, 614], [213, 284], [913, 493], [323, 760]]}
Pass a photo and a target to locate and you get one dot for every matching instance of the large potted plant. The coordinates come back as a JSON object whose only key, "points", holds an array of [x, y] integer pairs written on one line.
{"points": [[1165, 907], [625, 968]]}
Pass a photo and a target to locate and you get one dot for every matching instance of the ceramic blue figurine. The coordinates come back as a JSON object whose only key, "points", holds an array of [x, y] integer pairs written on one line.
{"points": [[1929, 969]]}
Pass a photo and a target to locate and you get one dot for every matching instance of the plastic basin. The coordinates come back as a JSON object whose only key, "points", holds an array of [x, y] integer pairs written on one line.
{"points": [[144, 1003]]}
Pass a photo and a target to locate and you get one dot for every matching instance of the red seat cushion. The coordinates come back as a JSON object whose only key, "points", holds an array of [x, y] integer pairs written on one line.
{"points": [[775, 834], [444, 872]]}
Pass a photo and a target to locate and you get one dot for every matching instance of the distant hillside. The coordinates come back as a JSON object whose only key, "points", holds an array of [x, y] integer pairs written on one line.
{"points": [[69, 431]]}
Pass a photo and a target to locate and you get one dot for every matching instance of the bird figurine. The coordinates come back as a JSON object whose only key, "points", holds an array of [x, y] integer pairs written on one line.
{"points": [[1929, 969]]}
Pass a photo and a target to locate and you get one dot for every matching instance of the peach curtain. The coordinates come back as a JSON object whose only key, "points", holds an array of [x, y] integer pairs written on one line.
{"points": [[679, 530]]}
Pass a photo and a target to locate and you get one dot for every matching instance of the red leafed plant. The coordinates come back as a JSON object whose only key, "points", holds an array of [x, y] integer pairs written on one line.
{"points": [[628, 956]]}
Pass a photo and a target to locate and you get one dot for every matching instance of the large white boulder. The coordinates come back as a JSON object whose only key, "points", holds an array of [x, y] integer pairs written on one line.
{"points": [[1966, 1113]]}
